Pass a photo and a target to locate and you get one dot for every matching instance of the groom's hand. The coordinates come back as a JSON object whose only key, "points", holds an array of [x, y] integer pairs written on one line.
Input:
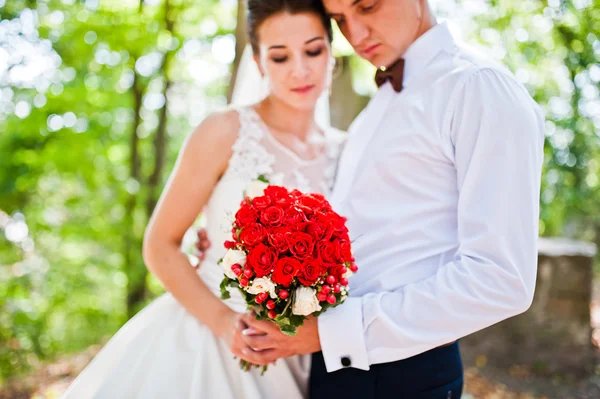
{"points": [[273, 344]]}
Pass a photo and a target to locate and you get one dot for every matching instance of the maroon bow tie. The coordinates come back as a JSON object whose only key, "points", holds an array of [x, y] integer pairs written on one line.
{"points": [[393, 73]]}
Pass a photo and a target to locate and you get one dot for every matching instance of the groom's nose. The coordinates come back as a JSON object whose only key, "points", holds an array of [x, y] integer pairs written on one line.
{"points": [[357, 32]]}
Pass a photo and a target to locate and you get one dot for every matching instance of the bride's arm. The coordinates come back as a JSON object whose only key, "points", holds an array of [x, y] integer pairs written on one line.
{"points": [[202, 160]]}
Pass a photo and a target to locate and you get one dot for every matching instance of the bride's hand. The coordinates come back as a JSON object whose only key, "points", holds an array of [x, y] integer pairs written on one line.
{"points": [[230, 330]]}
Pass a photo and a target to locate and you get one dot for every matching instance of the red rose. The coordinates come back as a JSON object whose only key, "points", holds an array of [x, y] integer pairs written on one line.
{"points": [[279, 196], [327, 252], [261, 202], [272, 216], [301, 244], [343, 251], [276, 192], [311, 203], [285, 271], [325, 225], [337, 271], [262, 259], [310, 272], [278, 239], [294, 218], [316, 230], [252, 234], [245, 216], [296, 194], [339, 223], [325, 205]]}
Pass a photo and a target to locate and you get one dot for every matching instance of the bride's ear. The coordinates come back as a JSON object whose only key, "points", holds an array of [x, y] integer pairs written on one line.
{"points": [[257, 61]]}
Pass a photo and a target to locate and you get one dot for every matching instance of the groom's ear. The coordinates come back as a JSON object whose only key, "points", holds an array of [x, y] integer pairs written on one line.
{"points": [[257, 61]]}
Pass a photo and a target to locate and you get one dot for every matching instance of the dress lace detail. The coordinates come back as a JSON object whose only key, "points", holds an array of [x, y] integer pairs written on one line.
{"points": [[250, 158]]}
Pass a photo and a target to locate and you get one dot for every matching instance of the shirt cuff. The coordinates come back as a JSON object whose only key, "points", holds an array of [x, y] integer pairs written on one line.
{"points": [[342, 336]]}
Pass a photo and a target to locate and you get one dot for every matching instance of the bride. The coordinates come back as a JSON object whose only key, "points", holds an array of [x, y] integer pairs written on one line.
{"points": [[181, 345]]}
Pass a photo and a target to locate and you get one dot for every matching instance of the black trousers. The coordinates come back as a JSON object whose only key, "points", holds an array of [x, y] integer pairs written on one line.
{"points": [[436, 374]]}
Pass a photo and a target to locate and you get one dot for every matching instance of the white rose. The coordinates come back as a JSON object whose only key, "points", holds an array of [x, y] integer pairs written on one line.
{"points": [[256, 189], [232, 257], [305, 301], [262, 284]]}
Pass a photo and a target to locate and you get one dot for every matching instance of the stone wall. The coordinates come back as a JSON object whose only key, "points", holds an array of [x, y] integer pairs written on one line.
{"points": [[554, 335]]}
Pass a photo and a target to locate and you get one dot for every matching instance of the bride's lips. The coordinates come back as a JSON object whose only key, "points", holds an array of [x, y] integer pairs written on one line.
{"points": [[303, 89]]}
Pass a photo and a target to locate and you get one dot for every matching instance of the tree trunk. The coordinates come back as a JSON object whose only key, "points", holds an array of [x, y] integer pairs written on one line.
{"points": [[240, 44], [132, 243], [137, 289]]}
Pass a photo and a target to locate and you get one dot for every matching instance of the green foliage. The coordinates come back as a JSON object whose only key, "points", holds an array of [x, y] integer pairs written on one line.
{"points": [[554, 48], [86, 146]]}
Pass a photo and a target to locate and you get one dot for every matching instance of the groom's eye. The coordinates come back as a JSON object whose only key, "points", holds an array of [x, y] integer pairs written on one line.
{"points": [[368, 6], [339, 20]]}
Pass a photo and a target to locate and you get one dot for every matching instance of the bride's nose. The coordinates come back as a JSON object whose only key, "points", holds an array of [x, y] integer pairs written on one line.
{"points": [[300, 68]]}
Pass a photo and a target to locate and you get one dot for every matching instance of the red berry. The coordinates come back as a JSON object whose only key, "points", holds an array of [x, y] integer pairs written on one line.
{"points": [[237, 271], [321, 297], [326, 289], [331, 280], [263, 296], [337, 288], [344, 281], [283, 294], [331, 299], [244, 282], [271, 304], [229, 244], [259, 299], [248, 273], [354, 268], [272, 314]]}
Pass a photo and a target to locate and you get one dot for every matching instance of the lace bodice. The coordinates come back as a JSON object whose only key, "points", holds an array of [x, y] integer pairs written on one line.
{"points": [[257, 152]]}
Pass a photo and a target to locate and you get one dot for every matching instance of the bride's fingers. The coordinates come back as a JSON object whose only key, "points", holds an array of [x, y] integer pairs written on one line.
{"points": [[263, 358], [252, 331], [259, 342], [261, 325]]}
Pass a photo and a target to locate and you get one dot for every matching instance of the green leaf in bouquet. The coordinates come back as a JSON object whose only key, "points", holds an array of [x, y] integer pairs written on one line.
{"points": [[263, 179], [297, 320], [288, 330], [224, 291]]}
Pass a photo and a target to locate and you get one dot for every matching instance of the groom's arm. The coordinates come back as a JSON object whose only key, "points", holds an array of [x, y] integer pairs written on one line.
{"points": [[496, 135]]}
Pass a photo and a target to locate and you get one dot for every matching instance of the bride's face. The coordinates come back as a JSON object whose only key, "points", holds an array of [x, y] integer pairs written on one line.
{"points": [[295, 57]]}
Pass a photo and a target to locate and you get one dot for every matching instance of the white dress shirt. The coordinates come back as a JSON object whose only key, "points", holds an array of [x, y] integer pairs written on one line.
{"points": [[440, 184]]}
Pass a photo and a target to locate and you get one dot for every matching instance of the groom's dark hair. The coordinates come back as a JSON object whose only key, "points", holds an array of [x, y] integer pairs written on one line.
{"points": [[260, 10]]}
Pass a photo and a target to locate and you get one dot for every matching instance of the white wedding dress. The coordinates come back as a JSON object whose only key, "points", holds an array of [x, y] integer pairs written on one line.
{"points": [[164, 352]]}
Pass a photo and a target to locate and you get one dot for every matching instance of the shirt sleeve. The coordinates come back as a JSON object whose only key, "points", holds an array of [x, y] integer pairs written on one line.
{"points": [[495, 132]]}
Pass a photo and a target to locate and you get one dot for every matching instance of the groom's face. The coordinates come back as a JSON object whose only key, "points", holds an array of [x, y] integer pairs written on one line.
{"points": [[379, 30]]}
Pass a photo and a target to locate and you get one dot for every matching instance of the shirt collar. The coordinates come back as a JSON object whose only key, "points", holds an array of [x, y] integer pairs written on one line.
{"points": [[422, 51]]}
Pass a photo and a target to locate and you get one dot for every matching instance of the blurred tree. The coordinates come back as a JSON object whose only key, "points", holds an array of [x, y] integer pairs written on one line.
{"points": [[553, 48]]}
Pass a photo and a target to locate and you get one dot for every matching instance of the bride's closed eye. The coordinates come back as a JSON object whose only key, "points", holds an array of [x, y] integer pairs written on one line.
{"points": [[279, 60], [314, 53]]}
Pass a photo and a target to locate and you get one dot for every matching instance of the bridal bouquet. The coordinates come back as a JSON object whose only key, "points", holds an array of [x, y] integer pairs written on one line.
{"points": [[290, 255]]}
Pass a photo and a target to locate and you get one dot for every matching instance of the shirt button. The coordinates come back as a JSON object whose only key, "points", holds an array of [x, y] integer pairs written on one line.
{"points": [[346, 362]]}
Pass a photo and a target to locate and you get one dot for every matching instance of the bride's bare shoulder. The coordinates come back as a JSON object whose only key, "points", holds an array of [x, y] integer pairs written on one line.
{"points": [[219, 127]]}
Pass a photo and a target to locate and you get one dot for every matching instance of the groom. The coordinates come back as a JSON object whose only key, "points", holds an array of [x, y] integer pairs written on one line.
{"points": [[440, 182]]}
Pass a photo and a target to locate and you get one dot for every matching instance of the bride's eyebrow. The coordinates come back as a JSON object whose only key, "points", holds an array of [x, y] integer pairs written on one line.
{"points": [[314, 39], [280, 46]]}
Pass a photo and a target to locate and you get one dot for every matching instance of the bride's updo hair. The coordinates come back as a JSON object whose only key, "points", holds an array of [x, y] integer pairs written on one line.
{"points": [[260, 10]]}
